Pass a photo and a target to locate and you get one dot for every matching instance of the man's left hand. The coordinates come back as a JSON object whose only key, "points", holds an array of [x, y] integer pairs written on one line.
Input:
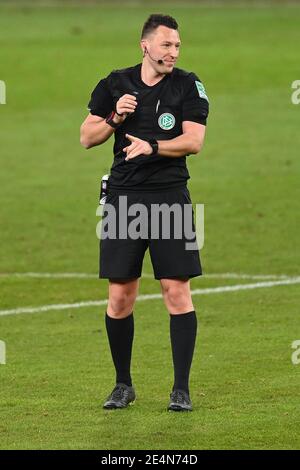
{"points": [[137, 147]]}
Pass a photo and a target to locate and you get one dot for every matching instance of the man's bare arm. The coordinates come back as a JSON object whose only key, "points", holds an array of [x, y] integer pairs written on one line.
{"points": [[189, 142], [95, 130]]}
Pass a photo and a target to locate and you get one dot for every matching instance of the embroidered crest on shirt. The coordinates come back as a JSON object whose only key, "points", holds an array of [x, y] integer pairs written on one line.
{"points": [[166, 121]]}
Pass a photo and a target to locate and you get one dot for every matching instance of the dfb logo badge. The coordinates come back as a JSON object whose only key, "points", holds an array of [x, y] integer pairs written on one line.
{"points": [[166, 121]]}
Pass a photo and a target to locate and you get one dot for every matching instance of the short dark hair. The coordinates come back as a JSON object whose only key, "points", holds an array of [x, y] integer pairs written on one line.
{"points": [[156, 20]]}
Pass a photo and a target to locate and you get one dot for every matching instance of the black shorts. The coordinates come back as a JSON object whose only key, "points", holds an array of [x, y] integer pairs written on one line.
{"points": [[121, 256]]}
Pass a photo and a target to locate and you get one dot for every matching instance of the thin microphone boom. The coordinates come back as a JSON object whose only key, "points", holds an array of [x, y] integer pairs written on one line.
{"points": [[159, 61]]}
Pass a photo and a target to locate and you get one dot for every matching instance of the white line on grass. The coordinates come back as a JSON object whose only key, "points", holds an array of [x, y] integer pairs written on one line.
{"points": [[210, 290], [145, 275], [246, 276], [51, 275]]}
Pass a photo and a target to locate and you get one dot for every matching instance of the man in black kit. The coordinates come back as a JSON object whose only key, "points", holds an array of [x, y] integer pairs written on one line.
{"points": [[158, 115]]}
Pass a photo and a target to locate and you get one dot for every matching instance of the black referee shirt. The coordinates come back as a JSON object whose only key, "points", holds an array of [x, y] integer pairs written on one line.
{"points": [[161, 109]]}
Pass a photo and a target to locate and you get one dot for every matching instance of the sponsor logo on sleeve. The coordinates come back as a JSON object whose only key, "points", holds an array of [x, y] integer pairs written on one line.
{"points": [[201, 90]]}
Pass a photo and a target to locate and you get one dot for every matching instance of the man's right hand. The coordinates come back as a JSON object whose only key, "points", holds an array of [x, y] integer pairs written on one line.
{"points": [[95, 131], [125, 105]]}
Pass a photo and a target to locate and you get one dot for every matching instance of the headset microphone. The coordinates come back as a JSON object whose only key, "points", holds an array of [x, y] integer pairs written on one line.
{"points": [[159, 61]]}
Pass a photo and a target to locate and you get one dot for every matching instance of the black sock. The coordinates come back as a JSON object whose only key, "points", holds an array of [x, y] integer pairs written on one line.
{"points": [[120, 335], [183, 330]]}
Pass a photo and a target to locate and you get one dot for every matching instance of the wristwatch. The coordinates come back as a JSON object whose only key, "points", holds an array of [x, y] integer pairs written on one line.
{"points": [[109, 120], [154, 145]]}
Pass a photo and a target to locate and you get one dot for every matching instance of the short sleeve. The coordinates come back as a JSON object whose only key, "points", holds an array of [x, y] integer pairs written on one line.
{"points": [[195, 101], [101, 102]]}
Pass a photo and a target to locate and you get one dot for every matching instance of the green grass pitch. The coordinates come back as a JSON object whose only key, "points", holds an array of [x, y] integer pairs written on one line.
{"points": [[244, 387]]}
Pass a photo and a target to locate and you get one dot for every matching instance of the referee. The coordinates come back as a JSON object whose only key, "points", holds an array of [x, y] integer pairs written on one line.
{"points": [[157, 113]]}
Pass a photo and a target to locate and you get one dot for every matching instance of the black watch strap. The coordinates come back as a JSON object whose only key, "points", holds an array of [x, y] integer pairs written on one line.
{"points": [[109, 120], [154, 146]]}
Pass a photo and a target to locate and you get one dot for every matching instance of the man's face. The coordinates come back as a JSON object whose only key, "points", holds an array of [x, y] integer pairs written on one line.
{"points": [[163, 43]]}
